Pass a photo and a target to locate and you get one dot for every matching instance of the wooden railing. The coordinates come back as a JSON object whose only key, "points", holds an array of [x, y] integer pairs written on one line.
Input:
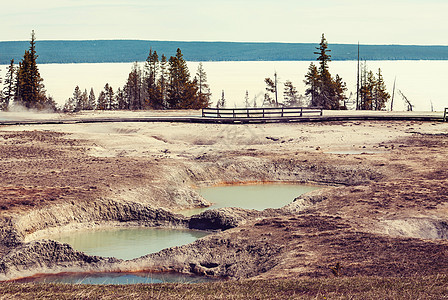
{"points": [[445, 115], [262, 112]]}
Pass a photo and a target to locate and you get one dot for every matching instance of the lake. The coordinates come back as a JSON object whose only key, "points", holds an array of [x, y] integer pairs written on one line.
{"points": [[422, 82]]}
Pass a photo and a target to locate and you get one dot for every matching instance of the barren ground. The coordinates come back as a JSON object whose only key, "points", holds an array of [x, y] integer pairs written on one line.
{"points": [[382, 211]]}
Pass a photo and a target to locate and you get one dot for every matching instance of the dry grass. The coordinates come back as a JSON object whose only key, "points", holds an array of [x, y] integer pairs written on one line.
{"points": [[417, 287]]}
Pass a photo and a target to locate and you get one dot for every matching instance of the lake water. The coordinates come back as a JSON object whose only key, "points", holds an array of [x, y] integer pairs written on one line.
{"points": [[258, 196], [422, 82], [115, 278], [127, 243]]}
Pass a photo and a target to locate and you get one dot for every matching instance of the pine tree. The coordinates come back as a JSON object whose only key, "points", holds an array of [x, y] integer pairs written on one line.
{"points": [[50, 104], [364, 102], [340, 88], [221, 102], [110, 99], [255, 102], [182, 92], [77, 100], [102, 101], [73, 104], [324, 58], [381, 96], [163, 81], [324, 90], [312, 80], [270, 89], [84, 100], [246, 99], [120, 99], [373, 94], [179, 79], [69, 106], [1, 95], [9, 86], [30, 90], [326, 93], [152, 95], [133, 88], [291, 95], [91, 102], [204, 95]]}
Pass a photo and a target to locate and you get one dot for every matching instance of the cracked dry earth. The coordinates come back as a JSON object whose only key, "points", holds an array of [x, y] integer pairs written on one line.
{"points": [[382, 210]]}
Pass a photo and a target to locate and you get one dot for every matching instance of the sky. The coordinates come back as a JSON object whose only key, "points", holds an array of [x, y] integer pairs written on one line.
{"points": [[411, 22]]}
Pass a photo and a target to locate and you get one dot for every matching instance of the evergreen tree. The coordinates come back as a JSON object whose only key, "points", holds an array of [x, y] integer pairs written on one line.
{"points": [[270, 89], [381, 96], [326, 93], [221, 102], [179, 80], [204, 95], [368, 83], [77, 100], [153, 98], [182, 92], [1, 95], [246, 99], [84, 103], [50, 104], [255, 102], [163, 81], [91, 102], [324, 58], [323, 89], [339, 89], [110, 99], [291, 95], [133, 87], [73, 104], [120, 99], [312, 80], [9, 86], [102, 101], [30, 90]]}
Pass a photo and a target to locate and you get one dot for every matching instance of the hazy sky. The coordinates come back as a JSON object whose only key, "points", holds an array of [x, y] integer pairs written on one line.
{"points": [[422, 22]]}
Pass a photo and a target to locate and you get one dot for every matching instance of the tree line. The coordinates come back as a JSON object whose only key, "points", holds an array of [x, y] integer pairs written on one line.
{"points": [[324, 90], [161, 84]]}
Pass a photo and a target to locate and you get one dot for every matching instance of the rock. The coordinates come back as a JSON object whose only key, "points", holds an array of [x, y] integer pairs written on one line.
{"points": [[220, 219]]}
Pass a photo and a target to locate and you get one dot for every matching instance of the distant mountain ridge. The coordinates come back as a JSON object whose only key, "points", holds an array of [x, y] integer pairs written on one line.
{"points": [[107, 51]]}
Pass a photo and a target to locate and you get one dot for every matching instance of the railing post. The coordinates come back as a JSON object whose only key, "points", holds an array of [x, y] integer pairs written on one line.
{"points": [[217, 113], [282, 111], [445, 114], [321, 111], [247, 112], [234, 113], [301, 112]]}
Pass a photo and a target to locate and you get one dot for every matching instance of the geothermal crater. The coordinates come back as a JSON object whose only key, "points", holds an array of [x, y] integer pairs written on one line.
{"points": [[381, 209]]}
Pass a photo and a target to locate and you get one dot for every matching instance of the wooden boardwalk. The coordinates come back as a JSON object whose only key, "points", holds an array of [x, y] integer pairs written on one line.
{"points": [[231, 116]]}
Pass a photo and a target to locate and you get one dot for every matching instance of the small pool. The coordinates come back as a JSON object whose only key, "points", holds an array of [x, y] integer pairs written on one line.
{"points": [[115, 278], [251, 196], [127, 243]]}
